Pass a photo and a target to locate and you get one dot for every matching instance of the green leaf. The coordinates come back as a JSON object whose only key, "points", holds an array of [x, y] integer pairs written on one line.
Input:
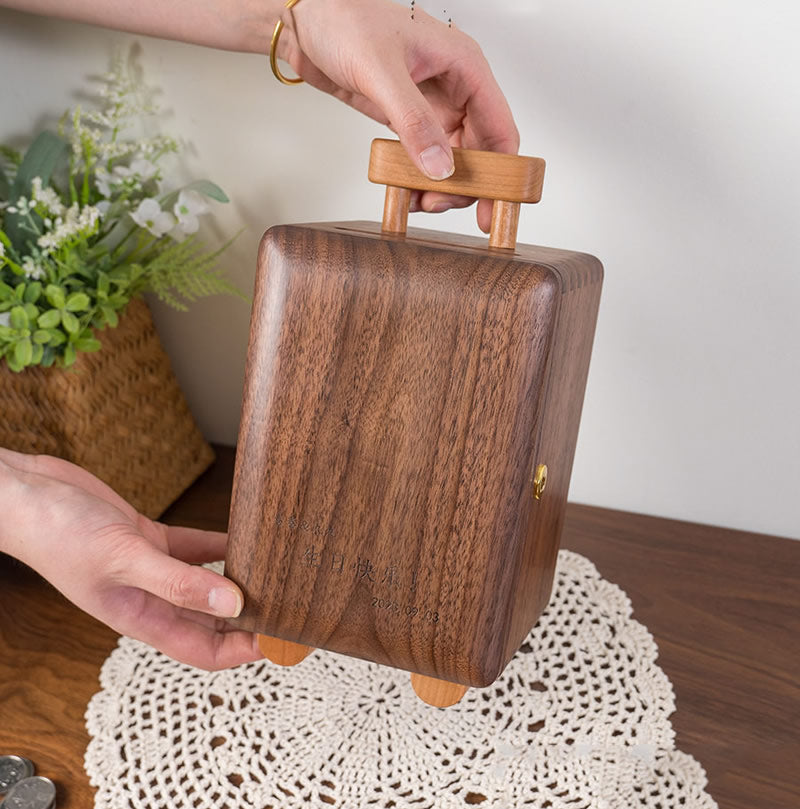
{"points": [[88, 344], [112, 318], [71, 323], [103, 283], [40, 160], [49, 319], [6, 292], [48, 357], [41, 336], [120, 275], [38, 353], [78, 302], [57, 337], [116, 236], [32, 292], [23, 352], [209, 189], [69, 355], [13, 363], [55, 295], [202, 187], [32, 311], [19, 318]]}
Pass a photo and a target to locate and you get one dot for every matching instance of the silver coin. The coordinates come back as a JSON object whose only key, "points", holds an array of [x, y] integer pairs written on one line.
{"points": [[13, 769], [31, 793]]}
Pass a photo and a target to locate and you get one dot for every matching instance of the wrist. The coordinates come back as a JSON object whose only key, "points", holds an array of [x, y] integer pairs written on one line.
{"points": [[254, 24]]}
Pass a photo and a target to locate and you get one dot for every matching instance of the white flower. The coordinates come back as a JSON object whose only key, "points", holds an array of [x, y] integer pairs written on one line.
{"points": [[88, 219], [2, 249], [102, 180], [139, 171], [5, 318], [22, 206], [114, 150], [102, 207], [77, 223], [32, 271], [46, 197], [143, 168], [189, 206], [149, 215]]}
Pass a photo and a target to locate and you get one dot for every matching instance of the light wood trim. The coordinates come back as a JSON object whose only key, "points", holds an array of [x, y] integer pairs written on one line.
{"points": [[395, 209], [439, 693], [488, 175], [283, 652], [505, 220]]}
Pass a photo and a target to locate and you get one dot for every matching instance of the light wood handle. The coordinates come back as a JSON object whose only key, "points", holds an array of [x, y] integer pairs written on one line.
{"points": [[507, 179], [439, 693], [283, 652]]}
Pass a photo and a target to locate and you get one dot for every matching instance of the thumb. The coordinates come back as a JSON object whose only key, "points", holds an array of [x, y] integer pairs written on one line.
{"points": [[183, 585], [412, 117]]}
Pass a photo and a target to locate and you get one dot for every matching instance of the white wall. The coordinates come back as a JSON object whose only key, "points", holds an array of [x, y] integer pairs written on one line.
{"points": [[672, 135]]}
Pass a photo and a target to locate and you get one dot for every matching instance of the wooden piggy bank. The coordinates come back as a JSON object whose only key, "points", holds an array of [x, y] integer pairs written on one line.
{"points": [[410, 416]]}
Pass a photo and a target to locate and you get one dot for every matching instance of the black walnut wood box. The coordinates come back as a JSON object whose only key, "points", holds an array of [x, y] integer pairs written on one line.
{"points": [[410, 416]]}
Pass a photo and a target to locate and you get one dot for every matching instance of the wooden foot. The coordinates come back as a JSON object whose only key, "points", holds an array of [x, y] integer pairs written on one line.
{"points": [[283, 652], [439, 693]]}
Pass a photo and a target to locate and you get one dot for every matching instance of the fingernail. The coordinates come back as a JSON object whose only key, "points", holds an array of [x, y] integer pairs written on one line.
{"points": [[225, 602], [437, 165]]}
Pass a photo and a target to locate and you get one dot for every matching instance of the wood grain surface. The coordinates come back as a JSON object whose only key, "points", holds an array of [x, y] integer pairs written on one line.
{"points": [[507, 179], [398, 394], [490, 175], [724, 607]]}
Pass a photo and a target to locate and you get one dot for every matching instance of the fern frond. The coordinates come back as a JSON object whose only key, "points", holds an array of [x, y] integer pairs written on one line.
{"points": [[186, 271]]}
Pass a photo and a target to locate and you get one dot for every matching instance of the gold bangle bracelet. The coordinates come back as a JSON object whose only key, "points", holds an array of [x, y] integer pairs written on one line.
{"points": [[273, 47]]}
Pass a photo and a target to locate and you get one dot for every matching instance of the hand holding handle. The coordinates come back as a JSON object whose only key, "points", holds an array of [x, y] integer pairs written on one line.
{"points": [[507, 179]]}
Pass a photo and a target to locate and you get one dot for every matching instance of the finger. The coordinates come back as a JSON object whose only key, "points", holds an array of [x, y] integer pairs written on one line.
{"points": [[412, 117], [194, 545], [436, 202], [190, 641], [488, 122], [180, 584], [484, 214]]}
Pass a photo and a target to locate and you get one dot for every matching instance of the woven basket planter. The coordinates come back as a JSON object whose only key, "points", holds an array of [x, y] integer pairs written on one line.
{"points": [[117, 412]]}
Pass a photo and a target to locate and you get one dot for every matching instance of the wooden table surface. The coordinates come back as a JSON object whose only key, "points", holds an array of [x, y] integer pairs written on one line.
{"points": [[724, 607]]}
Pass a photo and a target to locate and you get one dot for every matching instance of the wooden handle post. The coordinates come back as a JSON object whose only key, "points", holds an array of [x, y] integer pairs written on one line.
{"points": [[283, 652], [439, 693], [395, 209], [507, 179]]}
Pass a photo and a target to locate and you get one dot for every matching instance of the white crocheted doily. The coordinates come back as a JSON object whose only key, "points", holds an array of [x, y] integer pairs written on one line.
{"points": [[579, 719]]}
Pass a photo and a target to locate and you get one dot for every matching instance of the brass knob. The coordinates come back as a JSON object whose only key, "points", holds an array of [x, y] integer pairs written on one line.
{"points": [[539, 480]]}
